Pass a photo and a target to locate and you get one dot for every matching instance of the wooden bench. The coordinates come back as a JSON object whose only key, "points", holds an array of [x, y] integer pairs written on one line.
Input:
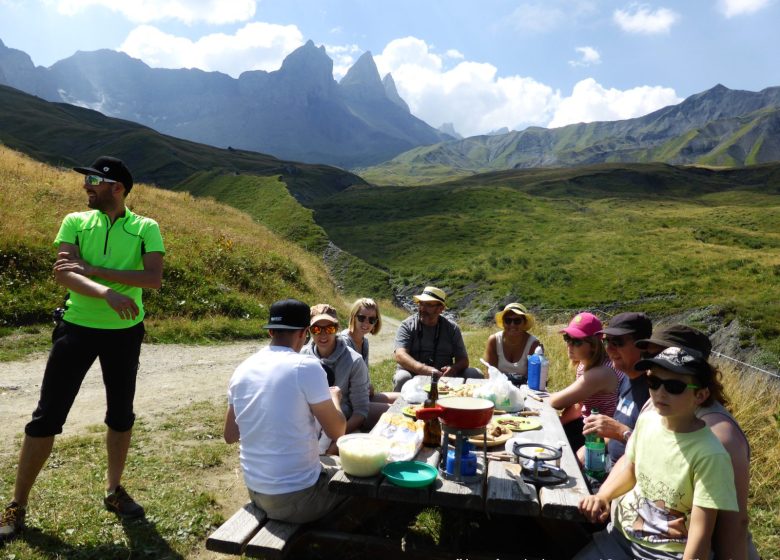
{"points": [[250, 532]]}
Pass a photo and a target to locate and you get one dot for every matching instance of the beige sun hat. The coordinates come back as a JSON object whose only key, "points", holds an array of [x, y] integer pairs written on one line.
{"points": [[517, 309], [324, 312], [431, 293]]}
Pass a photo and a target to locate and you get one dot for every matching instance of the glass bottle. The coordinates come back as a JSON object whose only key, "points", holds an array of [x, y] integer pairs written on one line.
{"points": [[432, 428]]}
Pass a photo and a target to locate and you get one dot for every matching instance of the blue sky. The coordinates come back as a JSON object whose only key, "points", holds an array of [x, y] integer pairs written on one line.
{"points": [[481, 65]]}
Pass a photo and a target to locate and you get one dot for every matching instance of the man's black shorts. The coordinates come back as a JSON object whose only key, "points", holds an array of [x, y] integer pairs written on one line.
{"points": [[73, 352]]}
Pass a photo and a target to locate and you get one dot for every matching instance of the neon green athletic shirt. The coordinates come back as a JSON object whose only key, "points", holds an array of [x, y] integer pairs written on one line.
{"points": [[119, 246]]}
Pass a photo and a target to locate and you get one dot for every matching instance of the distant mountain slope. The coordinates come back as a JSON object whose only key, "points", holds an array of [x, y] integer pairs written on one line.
{"points": [[719, 127], [63, 134], [298, 112], [668, 240]]}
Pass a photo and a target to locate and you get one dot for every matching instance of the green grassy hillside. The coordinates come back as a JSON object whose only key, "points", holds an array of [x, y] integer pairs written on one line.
{"points": [[268, 200], [222, 269], [659, 238]]}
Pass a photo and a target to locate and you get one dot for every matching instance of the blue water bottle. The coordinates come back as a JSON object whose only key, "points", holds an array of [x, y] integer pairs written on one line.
{"points": [[535, 369]]}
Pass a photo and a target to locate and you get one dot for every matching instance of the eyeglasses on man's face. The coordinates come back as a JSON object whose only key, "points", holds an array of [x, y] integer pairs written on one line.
{"points": [[616, 341], [316, 329], [364, 318], [429, 304], [95, 180], [514, 320], [672, 386], [576, 342]]}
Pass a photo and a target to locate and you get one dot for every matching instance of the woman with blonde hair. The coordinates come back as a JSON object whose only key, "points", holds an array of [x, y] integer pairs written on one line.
{"points": [[596, 382], [365, 319], [509, 348]]}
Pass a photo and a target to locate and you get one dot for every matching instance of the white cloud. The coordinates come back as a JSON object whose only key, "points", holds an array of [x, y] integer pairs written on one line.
{"points": [[343, 56], [643, 20], [471, 94], [188, 11], [588, 57], [454, 53], [256, 46], [731, 8], [590, 102], [536, 18]]}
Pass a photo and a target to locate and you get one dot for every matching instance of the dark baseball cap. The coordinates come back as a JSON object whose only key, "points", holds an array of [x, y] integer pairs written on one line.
{"points": [[678, 360], [288, 314], [637, 324], [109, 168], [681, 336]]}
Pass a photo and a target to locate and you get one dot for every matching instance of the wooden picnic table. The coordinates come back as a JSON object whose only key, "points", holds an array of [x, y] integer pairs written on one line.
{"points": [[502, 491]]}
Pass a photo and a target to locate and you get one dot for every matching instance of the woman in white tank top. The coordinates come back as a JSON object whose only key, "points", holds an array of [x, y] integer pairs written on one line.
{"points": [[509, 348]]}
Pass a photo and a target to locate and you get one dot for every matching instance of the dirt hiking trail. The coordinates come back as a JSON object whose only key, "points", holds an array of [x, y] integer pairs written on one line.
{"points": [[171, 376]]}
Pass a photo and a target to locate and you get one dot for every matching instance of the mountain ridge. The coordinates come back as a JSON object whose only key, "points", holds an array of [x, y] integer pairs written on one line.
{"points": [[298, 112]]}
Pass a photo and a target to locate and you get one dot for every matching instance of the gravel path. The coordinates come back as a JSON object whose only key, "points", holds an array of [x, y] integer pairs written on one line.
{"points": [[171, 376]]}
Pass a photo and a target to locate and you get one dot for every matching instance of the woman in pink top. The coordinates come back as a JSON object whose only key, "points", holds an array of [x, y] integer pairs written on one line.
{"points": [[596, 380]]}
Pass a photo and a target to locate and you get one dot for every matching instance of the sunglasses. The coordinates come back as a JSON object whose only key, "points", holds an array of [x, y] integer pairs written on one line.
{"points": [[94, 180], [330, 329], [363, 319], [576, 342], [616, 341], [672, 386], [514, 320]]}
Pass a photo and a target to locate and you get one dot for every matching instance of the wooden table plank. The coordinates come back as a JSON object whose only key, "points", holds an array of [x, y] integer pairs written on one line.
{"points": [[348, 485], [560, 501], [272, 539], [231, 537], [448, 493], [508, 493]]}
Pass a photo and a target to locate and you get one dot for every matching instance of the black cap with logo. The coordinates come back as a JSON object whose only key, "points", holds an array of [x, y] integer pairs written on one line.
{"points": [[109, 168], [288, 314]]}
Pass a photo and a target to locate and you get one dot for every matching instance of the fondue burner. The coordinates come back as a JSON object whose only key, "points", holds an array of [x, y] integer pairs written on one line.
{"points": [[461, 436], [536, 469]]}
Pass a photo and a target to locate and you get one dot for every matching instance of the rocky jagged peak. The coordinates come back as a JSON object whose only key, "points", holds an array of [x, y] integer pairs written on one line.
{"points": [[363, 78], [449, 129], [308, 63], [392, 92]]}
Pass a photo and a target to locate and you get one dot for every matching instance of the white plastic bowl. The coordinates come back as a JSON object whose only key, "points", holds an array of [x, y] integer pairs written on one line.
{"points": [[363, 454]]}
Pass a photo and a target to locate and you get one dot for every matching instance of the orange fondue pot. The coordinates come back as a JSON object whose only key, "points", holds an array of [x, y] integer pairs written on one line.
{"points": [[460, 412]]}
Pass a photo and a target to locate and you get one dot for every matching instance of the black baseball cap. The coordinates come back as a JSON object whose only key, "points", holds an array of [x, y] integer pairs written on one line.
{"points": [[288, 314], [678, 360], [681, 336], [637, 324], [109, 168]]}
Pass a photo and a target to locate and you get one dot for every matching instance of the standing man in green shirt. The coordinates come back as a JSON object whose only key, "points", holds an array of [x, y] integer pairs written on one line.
{"points": [[105, 257]]}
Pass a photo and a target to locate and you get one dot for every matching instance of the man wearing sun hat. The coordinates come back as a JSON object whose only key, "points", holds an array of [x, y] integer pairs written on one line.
{"points": [[428, 342], [105, 257], [274, 398]]}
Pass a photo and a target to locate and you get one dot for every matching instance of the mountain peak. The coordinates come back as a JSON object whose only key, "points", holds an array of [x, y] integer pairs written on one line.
{"points": [[309, 62], [392, 92], [363, 78]]}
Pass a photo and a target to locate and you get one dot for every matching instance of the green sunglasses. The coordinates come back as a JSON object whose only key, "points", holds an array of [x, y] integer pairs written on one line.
{"points": [[95, 180]]}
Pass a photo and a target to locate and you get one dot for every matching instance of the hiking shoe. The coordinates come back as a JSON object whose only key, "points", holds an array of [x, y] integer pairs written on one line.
{"points": [[11, 521], [120, 503]]}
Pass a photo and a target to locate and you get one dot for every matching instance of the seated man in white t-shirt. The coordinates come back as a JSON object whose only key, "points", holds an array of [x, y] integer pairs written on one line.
{"points": [[277, 399]]}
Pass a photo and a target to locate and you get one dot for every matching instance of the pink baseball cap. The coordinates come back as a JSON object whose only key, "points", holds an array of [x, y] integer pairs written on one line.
{"points": [[584, 324]]}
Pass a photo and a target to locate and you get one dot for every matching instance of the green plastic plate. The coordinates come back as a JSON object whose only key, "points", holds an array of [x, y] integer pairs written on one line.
{"points": [[410, 474]]}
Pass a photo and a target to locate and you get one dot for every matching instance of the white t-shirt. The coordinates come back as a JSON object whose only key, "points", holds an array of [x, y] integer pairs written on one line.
{"points": [[271, 392]]}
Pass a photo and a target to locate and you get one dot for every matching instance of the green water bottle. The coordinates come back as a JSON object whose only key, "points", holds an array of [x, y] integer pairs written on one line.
{"points": [[595, 454]]}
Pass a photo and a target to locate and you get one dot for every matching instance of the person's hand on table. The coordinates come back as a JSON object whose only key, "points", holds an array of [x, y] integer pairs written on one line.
{"points": [[446, 371], [594, 508], [333, 449]]}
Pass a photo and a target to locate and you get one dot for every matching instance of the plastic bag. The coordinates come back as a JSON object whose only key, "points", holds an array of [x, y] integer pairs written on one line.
{"points": [[501, 391], [413, 392], [405, 435]]}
